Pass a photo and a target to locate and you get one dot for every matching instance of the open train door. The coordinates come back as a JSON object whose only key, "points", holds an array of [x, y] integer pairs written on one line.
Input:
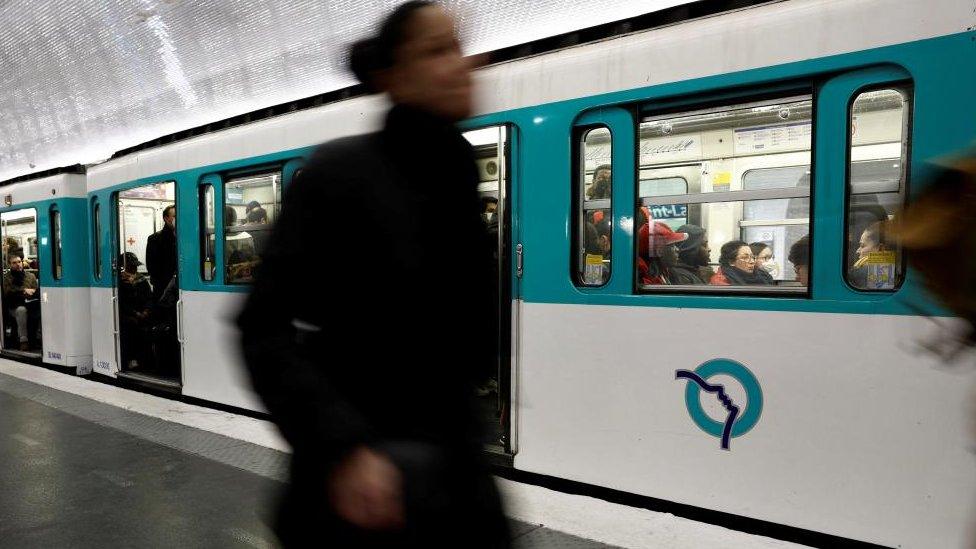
{"points": [[147, 322], [494, 146]]}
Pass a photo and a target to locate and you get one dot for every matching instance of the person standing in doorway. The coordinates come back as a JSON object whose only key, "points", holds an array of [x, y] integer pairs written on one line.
{"points": [[372, 383], [161, 258]]}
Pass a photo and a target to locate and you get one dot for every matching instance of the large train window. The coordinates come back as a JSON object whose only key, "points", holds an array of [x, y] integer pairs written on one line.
{"points": [[876, 187], [208, 236], [724, 198], [97, 238], [251, 205], [595, 221], [55, 217]]}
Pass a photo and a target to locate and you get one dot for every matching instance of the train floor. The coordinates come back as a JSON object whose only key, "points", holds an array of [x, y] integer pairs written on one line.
{"points": [[84, 464]]}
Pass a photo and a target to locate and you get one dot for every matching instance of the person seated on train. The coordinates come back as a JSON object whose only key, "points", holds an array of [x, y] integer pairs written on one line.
{"points": [[861, 217], [873, 239], [657, 255], [601, 186], [135, 310], [20, 297], [800, 258], [737, 267], [764, 258], [255, 213], [693, 256]]}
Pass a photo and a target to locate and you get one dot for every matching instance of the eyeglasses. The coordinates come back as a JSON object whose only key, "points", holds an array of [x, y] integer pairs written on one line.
{"points": [[749, 257]]}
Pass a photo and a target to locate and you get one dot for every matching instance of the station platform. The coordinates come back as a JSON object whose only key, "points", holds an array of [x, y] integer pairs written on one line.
{"points": [[86, 464]]}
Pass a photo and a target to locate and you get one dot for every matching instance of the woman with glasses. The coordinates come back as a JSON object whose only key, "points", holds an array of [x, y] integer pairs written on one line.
{"points": [[737, 267]]}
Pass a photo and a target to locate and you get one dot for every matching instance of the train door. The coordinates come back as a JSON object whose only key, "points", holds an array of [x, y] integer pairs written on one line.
{"points": [[147, 294], [493, 153], [20, 301]]}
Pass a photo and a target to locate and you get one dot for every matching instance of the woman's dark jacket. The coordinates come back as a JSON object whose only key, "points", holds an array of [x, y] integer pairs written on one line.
{"points": [[369, 317]]}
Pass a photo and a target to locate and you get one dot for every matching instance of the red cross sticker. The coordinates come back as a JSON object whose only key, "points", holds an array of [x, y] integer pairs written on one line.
{"points": [[131, 241]]}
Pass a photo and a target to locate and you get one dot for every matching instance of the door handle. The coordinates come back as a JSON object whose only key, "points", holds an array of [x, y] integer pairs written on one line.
{"points": [[519, 260], [179, 321], [115, 314]]}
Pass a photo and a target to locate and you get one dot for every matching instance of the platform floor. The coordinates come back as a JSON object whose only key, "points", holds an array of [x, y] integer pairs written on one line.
{"points": [[69, 477], [85, 464]]}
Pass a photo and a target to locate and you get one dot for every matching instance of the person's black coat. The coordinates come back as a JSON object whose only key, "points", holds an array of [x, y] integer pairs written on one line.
{"points": [[161, 259], [368, 315]]}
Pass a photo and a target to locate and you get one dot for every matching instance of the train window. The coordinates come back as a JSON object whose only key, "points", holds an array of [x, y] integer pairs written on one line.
{"points": [[724, 199], [595, 221], [56, 267], [251, 205], [97, 238], [208, 233], [876, 187]]}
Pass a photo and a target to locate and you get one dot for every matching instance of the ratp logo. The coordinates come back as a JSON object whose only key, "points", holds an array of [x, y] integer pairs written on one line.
{"points": [[736, 422]]}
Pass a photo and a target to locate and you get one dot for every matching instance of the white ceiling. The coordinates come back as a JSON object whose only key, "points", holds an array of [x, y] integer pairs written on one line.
{"points": [[81, 79]]}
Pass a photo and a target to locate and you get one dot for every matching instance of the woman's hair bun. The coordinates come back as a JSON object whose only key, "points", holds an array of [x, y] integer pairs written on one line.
{"points": [[364, 61], [370, 55]]}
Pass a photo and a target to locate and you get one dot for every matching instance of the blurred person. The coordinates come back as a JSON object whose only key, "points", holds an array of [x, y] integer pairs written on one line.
{"points": [[938, 230], [19, 288], [737, 267], [387, 446], [161, 256], [800, 258], [254, 213]]}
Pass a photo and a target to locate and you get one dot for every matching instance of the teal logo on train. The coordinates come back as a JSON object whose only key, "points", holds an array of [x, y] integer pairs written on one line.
{"points": [[737, 422]]}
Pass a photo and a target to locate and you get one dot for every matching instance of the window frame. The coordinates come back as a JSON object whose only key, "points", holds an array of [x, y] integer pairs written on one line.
{"points": [[905, 86], [96, 210], [207, 230], [807, 93], [57, 253], [578, 256], [278, 193]]}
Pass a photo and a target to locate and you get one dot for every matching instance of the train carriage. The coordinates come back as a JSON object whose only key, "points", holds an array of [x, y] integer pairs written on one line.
{"points": [[799, 127]]}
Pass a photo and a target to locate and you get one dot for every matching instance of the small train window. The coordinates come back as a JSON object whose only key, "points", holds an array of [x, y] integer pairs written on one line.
{"points": [[724, 199], [876, 187], [56, 266], [208, 233], [97, 238], [595, 217], [251, 205]]}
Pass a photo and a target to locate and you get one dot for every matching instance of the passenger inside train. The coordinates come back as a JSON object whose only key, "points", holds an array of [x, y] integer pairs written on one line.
{"points": [[874, 267], [694, 253], [22, 303], [800, 258], [657, 255], [737, 267], [135, 314]]}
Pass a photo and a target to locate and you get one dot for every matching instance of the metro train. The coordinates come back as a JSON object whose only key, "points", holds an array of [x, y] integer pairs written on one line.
{"points": [[800, 121]]}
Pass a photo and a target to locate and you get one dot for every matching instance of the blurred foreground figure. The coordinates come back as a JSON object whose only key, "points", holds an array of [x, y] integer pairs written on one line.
{"points": [[367, 361], [938, 229]]}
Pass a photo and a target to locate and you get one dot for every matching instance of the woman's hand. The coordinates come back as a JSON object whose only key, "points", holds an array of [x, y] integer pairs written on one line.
{"points": [[366, 490]]}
